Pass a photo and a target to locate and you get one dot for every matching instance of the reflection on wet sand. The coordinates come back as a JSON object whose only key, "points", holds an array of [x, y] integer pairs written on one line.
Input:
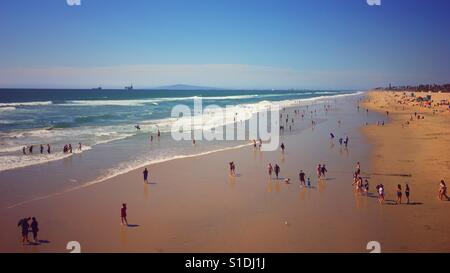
{"points": [[146, 191], [232, 182], [123, 236]]}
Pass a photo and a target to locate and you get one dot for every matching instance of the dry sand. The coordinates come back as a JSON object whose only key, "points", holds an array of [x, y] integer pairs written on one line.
{"points": [[420, 149], [193, 205]]}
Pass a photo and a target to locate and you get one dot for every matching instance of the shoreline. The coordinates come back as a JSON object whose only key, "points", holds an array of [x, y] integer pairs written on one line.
{"points": [[199, 207], [192, 204], [137, 163]]}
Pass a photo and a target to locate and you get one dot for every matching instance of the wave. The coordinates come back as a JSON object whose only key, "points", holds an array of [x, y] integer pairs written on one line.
{"points": [[157, 101], [12, 142], [7, 108], [32, 103], [10, 162]]}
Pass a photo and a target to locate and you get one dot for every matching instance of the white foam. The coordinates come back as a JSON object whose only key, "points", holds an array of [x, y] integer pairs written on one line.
{"points": [[156, 101], [7, 108], [32, 103]]}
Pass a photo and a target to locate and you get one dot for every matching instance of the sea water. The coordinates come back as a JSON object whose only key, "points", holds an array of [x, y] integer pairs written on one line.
{"points": [[103, 121]]}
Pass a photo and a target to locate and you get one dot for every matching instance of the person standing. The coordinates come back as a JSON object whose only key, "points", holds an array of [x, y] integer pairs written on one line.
{"points": [[277, 170], [399, 194], [323, 170], [145, 173], [48, 148], [123, 214], [282, 147], [407, 193], [380, 189], [301, 176], [23, 224], [35, 229], [443, 190], [42, 149], [270, 169]]}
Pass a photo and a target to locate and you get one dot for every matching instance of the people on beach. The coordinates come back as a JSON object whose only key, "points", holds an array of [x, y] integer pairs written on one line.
{"points": [[407, 193], [308, 181], [380, 190], [323, 170], [443, 191], [34, 229], [358, 168], [48, 149], [123, 214], [24, 225], [79, 146], [366, 186], [41, 148], [30, 149], [399, 194], [319, 171], [145, 173], [24, 150], [301, 176], [331, 136], [277, 170], [254, 144], [70, 148], [282, 147], [270, 169], [232, 168]]}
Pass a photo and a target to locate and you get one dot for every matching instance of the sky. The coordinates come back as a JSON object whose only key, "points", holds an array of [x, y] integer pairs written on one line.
{"points": [[261, 44]]}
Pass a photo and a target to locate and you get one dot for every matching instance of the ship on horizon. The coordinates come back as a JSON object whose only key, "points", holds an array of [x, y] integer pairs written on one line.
{"points": [[129, 87]]}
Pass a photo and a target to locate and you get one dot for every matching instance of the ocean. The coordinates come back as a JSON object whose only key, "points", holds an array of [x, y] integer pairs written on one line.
{"points": [[103, 121]]}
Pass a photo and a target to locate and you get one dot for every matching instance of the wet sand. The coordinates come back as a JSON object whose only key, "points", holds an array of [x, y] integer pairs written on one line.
{"points": [[193, 205]]}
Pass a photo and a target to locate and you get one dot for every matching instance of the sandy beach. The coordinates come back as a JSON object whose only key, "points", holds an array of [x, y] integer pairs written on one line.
{"points": [[194, 205]]}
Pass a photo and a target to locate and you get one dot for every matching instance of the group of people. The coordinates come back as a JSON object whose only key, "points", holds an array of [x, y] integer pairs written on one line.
{"points": [[26, 227], [341, 140], [321, 171], [271, 169], [158, 134], [30, 149], [398, 193], [68, 148]]}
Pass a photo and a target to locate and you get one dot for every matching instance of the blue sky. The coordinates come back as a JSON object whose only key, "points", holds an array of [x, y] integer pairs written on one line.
{"points": [[224, 43]]}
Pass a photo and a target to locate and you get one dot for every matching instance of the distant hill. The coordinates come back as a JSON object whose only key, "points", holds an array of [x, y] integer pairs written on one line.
{"points": [[185, 87]]}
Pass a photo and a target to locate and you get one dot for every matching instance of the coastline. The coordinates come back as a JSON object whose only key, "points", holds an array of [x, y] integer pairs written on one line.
{"points": [[193, 205], [97, 164]]}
